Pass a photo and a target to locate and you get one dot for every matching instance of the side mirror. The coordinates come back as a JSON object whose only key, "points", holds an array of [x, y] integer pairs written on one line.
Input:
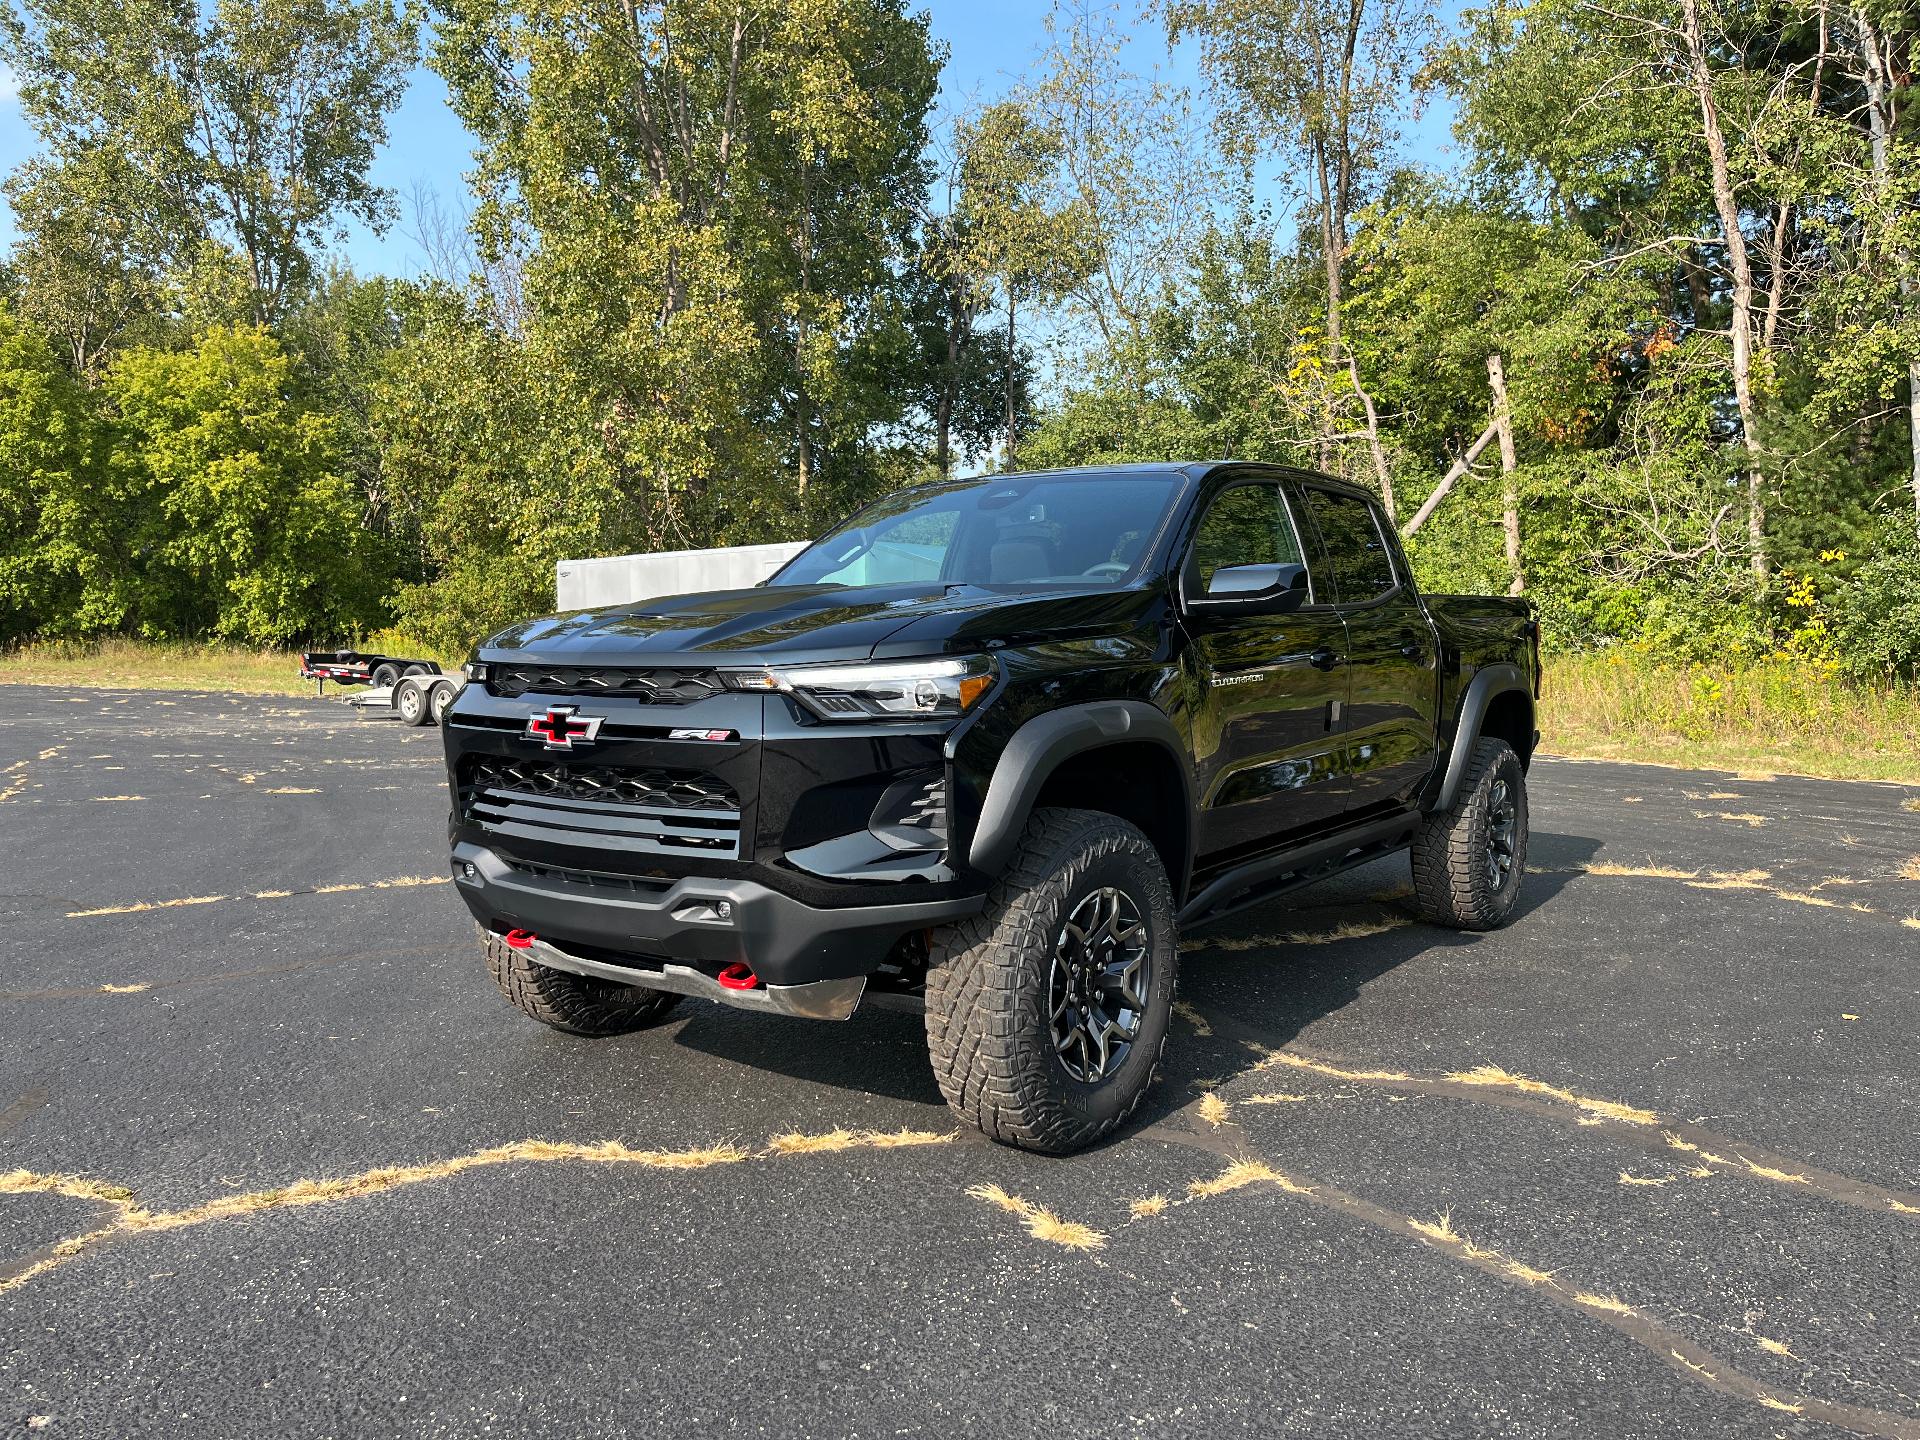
{"points": [[1262, 589]]}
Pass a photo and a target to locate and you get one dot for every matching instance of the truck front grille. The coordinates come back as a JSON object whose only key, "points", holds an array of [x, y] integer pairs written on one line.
{"points": [[650, 687], [599, 807]]}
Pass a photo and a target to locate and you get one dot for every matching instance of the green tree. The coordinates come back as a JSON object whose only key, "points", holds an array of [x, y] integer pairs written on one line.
{"points": [[242, 524], [1009, 228], [714, 199], [247, 126], [62, 568]]}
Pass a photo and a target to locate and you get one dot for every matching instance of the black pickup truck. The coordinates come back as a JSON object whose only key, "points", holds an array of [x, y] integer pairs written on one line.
{"points": [[991, 744]]}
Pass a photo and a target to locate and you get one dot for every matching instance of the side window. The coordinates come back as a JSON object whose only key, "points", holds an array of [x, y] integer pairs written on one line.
{"points": [[1246, 525], [1357, 555]]}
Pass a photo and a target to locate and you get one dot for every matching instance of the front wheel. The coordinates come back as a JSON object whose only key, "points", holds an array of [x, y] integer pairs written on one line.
{"points": [[1467, 861], [442, 701], [1048, 1011]]}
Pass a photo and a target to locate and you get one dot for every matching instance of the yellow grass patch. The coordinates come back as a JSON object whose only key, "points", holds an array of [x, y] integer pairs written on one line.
{"points": [[1347, 930], [1901, 1209], [1149, 1205], [1774, 1347], [1301, 1062], [1611, 1304], [1275, 1098], [1752, 821], [292, 790], [795, 1143], [1627, 1178], [1040, 1222], [1213, 1109], [125, 989], [102, 799], [1526, 1273], [1773, 1404], [1911, 922], [1493, 1075], [1767, 1172], [1910, 868], [1648, 871], [1696, 1369], [1440, 1229], [140, 905], [1241, 1173], [1185, 1010]]}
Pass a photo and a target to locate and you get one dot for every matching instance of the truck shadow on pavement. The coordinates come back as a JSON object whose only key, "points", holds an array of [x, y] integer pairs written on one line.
{"points": [[1257, 980]]}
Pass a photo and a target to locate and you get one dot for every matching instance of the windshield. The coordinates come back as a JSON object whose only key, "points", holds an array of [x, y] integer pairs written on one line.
{"points": [[1007, 530]]}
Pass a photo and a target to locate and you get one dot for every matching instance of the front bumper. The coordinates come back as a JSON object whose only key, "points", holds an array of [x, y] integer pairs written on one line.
{"points": [[815, 1000], [694, 924]]}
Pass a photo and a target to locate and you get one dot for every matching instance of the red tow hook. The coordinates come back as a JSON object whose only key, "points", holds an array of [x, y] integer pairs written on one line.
{"points": [[519, 939], [738, 976]]}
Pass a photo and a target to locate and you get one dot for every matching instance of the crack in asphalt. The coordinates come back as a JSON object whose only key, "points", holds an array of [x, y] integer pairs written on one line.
{"points": [[132, 1219]]}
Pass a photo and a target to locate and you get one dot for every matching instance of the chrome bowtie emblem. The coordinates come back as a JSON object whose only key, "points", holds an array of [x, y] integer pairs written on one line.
{"points": [[562, 727]]}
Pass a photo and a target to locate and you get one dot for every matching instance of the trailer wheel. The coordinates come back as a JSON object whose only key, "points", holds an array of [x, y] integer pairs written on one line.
{"points": [[416, 670], [441, 700], [411, 702], [385, 673]]}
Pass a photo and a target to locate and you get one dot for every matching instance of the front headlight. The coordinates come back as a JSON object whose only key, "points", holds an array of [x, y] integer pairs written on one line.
{"points": [[904, 689]]}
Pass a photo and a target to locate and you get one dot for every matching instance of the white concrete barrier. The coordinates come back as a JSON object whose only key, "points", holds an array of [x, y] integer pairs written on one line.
{"points": [[629, 579]]}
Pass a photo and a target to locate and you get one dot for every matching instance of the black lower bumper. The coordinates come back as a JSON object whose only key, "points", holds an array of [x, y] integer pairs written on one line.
{"points": [[705, 923]]}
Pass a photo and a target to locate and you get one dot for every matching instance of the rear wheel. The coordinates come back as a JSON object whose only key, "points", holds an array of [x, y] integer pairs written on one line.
{"points": [[384, 674], [441, 701], [416, 670], [1468, 861], [577, 1004], [1047, 1012]]}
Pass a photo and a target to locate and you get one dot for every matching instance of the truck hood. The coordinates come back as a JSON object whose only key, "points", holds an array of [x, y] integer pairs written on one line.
{"points": [[800, 623]]}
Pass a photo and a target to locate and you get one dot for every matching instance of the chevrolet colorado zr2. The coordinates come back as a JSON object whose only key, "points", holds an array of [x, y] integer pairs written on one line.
{"points": [[991, 744]]}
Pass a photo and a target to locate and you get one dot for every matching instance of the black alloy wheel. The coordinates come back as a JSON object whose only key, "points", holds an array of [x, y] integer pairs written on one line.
{"points": [[1100, 983]]}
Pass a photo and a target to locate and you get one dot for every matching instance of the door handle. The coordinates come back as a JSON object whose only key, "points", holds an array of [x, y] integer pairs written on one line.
{"points": [[1324, 659]]}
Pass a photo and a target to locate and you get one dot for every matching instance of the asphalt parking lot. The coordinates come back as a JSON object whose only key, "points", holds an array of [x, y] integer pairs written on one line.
{"points": [[276, 1159]]}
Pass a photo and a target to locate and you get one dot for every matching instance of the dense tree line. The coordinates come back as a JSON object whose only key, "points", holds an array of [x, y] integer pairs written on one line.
{"points": [[1650, 353]]}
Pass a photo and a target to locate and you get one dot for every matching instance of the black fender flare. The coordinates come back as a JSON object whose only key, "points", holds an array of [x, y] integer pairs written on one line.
{"points": [[1037, 750], [1488, 681]]}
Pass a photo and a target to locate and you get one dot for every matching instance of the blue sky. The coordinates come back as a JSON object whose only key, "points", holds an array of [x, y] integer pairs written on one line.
{"points": [[989, 41]]}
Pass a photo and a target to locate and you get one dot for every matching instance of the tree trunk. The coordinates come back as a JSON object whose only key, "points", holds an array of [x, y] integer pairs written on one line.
{"points": [[1509, 463], [1454, 472], [943, 410], [1913, 425], [1875, 72], [1740, 265], [1378, 450], [1011, 442]]}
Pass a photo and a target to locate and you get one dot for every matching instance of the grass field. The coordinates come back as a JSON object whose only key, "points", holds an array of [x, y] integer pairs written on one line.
{"points": [[1776, 717], [132, 665]]}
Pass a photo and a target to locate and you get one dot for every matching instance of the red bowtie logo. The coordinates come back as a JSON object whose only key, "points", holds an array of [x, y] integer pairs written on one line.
{"points": [[562, 728]]}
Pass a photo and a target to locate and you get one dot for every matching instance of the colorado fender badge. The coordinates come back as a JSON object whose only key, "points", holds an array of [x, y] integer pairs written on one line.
{"points": [[562, 727]]}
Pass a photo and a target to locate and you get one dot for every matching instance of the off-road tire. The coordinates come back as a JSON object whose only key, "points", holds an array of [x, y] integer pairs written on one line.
{"points": [[410, 704], [385, 673], [1453, 881], [989, 1026], [577, 1004]]}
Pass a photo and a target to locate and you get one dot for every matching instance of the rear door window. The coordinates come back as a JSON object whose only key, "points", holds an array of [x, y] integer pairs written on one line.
{"points": [[1359, 562]]}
